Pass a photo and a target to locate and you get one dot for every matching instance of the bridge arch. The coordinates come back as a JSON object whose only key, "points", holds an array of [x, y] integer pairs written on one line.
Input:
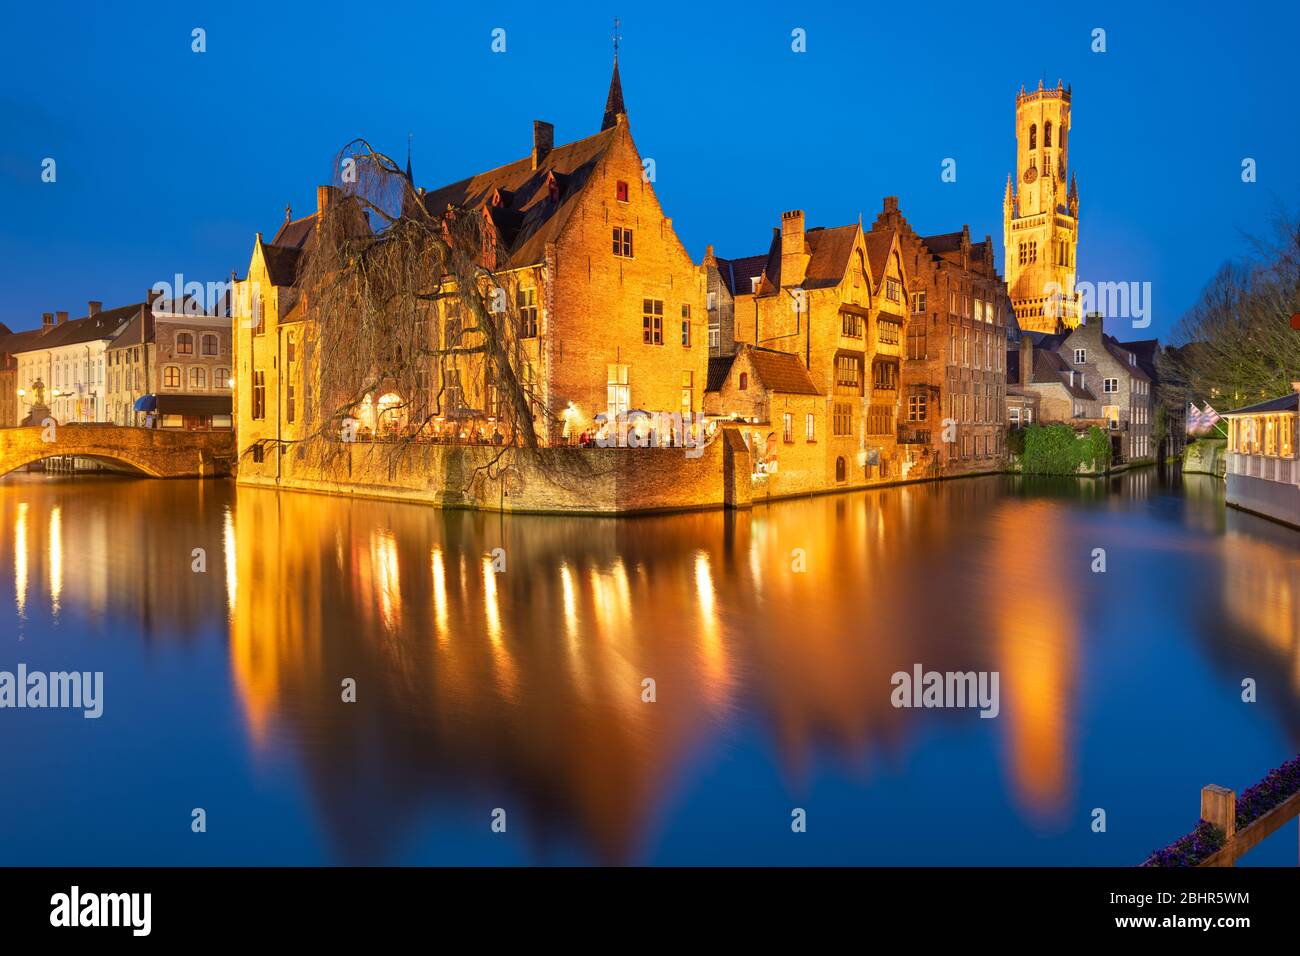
{"points": [[155, 453]]}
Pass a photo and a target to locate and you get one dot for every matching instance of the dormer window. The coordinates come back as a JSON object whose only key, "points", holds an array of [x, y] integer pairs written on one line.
{"points": [[620, 191], [552, 189]]}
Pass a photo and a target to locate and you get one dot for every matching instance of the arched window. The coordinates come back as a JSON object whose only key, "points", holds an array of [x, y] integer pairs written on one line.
{"points": [[210, 343], [744, 381], [1047, 134], [198, 376], [1033, 135], [221, 378], [390, 413], [184, 343]]}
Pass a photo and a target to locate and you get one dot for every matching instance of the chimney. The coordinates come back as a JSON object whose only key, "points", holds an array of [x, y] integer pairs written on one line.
{"points": [[47, 321], [322, 200], [93, 307], [1096, 321], [62, 317], [543, 141], [1026, 360], [794, 253], [709, 258], [151, 297]]}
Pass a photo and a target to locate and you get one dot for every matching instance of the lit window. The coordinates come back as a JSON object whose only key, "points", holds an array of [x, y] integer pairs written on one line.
{"points": [[526, 302], [652, 321], [184, 343], [616, 390], [172, 376]]}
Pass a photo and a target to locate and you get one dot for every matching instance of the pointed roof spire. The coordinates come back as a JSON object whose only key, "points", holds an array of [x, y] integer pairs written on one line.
{"points": [[408, 158], [614, 102]]}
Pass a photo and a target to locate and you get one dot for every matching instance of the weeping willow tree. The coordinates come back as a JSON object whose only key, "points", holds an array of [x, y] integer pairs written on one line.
{"points": [[1236, 345], [410, 335]]}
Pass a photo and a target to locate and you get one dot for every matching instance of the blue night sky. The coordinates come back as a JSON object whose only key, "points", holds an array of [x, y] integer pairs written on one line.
{"points": [[169, 161]]}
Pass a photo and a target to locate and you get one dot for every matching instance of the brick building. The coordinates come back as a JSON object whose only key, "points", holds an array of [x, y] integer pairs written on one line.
{"points": [[609, 309], [953, 372], [835, 299], [1044, 389], [771, 400]]}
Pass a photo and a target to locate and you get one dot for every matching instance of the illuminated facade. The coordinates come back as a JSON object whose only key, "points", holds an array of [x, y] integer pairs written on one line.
{"points": [[1262, 473]]}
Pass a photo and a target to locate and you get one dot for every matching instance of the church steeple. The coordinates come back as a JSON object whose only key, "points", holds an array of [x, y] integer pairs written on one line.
{"points": [[614, 102], [409, 178]]}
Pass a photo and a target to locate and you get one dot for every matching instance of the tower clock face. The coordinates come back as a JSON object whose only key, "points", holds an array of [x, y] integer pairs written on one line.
{"points": [[1031, 174]]}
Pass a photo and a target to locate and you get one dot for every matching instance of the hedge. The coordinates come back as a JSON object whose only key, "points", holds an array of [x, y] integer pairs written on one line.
{"points": [[1057, 450]]}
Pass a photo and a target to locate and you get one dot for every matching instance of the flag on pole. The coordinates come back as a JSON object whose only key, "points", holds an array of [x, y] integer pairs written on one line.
{"points": [[1193, 418], [1209, 417]]}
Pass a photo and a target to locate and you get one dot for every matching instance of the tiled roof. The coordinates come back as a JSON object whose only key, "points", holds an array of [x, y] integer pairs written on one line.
{"points": [[1146, 351], [738, 273], [1051, 368], [282, 263], [523, 192], [719, 369], [16, 342], [829, 250], [946, 242], [1121, 355], [297, 233], [1284, 403], [102, 325], [781, 372], [879, 242]]}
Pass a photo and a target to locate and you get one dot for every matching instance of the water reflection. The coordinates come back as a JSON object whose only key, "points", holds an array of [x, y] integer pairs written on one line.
{"points": [[525, 682]]}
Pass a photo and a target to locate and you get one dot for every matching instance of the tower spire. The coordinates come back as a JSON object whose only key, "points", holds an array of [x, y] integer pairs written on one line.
{"points": [[409, 137], [614, 101]]}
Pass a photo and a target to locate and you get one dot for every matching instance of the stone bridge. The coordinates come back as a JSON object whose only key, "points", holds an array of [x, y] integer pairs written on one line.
{"points": [[159, 453]]}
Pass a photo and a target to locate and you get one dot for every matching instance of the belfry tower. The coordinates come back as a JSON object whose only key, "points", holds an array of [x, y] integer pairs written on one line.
{"points": [[1040, 214]]}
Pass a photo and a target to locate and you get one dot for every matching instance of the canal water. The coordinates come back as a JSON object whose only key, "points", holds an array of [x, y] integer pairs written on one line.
{"points": [[771, 638]]}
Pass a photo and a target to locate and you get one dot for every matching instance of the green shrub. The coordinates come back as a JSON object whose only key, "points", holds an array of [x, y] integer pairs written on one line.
{"points": [[1057, 450]]}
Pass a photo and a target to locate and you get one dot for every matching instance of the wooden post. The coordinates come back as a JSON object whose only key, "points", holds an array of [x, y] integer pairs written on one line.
{"points": [[1219, 806]]}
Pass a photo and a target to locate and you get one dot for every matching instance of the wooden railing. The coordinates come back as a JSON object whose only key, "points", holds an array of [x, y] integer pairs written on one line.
{"points": [[1219, 807]]}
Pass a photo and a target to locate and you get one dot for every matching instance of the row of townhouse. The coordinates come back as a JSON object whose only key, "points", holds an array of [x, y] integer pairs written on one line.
{"points": [[147, 363]]}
